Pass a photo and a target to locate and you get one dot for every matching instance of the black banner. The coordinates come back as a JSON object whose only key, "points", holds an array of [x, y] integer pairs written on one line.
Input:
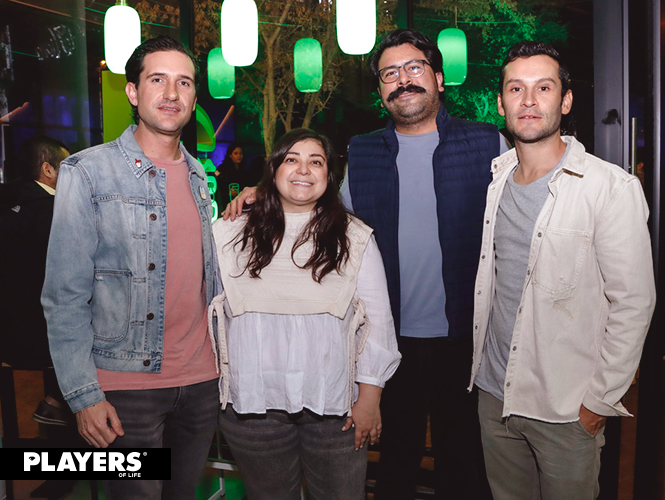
{"points": [[85, 463]]}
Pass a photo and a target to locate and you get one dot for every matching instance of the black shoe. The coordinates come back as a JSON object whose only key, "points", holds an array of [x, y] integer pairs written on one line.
{"points": [[48, 414]]}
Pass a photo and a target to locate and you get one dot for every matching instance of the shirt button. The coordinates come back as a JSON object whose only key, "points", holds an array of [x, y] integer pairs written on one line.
{"points": [[153, 216], [514, 348], [528, 272], [151, 267], [150, 316], [152, 173], [475, 327], [146, 362], [487, 221], [479, 292], [519, 311], [482, 257], [540, 234], [507, 384]]}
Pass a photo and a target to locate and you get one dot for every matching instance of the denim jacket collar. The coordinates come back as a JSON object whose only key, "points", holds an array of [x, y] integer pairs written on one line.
{"points": [[139, 163]]}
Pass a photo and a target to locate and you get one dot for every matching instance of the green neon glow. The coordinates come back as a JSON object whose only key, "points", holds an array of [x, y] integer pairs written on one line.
{"points": [[308, 65], [452, 44], [215, 211], [205, 132], [221, 76], [209, 166]]}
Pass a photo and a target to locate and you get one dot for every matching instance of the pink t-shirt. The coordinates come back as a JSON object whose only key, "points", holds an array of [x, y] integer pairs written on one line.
{"points": [[188, 357]]}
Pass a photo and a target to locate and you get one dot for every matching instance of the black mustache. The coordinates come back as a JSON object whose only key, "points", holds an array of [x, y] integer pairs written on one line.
{"points": [[409, 88]]}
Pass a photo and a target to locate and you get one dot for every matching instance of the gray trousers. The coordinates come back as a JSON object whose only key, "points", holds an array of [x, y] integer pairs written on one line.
{"points": [[180, 418], [275, 449], [529, 459]]}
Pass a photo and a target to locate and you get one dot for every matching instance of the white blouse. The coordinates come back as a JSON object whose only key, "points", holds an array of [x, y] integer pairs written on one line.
{"points": [[291, 362]]}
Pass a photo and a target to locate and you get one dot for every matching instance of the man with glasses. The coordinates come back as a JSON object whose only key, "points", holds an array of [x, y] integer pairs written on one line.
{"points": [[420, 183]]}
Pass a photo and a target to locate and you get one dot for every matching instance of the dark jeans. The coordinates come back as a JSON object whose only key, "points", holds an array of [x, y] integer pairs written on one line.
{"points": [[181, 418], [274, 450], [431, 379]]}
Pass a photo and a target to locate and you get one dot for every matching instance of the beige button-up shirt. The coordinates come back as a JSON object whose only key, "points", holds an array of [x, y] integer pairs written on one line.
{"points": [[588, 294]]}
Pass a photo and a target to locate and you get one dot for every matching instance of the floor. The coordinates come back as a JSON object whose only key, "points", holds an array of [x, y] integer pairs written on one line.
{"points": [[29, 392]]}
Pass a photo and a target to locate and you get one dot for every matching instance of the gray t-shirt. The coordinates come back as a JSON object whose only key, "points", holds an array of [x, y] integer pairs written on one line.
{"points": [[519, 208], [423, 298], [422, 295]]}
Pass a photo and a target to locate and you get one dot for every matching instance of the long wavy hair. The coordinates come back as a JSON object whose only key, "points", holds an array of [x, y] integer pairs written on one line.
{"points": [[264, 231]]}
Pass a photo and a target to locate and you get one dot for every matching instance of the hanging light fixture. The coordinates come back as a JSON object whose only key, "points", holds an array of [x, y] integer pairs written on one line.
{"points": [[240, 32], [452, 44], [308, 65], [356, 26], [221, 76], [122, 34]]}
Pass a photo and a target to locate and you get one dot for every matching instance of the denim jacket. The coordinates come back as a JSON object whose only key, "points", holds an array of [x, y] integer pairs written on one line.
{"points": [[588, 292], [103, 295]]}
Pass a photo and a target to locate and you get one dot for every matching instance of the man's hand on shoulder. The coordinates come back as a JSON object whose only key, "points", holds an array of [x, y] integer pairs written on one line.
{"points": [[591, 421], [234, 209], [99, 424]]}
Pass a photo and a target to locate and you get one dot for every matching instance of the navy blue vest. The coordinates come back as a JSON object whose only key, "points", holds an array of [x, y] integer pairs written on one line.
{"points": [[461, 165]]}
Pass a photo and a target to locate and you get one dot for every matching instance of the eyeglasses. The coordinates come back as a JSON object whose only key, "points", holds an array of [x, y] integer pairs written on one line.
{"points": [[413, 68]]}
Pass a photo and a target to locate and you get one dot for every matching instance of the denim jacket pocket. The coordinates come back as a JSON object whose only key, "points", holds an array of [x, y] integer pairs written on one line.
{"points": [[560, 258], [111, 304]]}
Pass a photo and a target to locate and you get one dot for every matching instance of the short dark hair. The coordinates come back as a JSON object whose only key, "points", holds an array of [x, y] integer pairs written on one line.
{"points": [[530, 48], [162, 43], [35, 151], [412, 37]]}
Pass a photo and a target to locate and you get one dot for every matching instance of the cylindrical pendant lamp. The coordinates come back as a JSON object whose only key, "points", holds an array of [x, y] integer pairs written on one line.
{"points": [[122, 34], [240, 32], [221, 76], [308, 65], [356, 26], [452, 44]]}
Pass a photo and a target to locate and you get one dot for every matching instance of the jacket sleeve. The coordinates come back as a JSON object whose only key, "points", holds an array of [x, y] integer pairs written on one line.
{"points": [[380, 357], [623, 251], [68, 288]]}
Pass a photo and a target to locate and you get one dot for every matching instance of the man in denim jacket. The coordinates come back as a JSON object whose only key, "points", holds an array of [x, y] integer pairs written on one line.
{"points": [[129, 274], [564, 293]]}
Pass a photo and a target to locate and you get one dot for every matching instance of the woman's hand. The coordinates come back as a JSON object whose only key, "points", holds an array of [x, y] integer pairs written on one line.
{"points": [[366, 416], [234, 209]]}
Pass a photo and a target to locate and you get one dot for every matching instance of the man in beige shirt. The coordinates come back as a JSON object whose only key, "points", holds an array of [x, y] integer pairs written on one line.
{"points": [[564, 292]]}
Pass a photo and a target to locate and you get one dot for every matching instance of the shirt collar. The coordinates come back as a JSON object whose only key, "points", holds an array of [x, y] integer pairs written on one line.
{"points": [[46, 188]]}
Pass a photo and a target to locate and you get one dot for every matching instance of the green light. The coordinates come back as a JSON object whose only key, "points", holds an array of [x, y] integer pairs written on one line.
{"points": [[356, 26], [209, 166], [452, 44], [221, 75], [215, 211], [205, 132], [308, 65], [212, 187]]}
